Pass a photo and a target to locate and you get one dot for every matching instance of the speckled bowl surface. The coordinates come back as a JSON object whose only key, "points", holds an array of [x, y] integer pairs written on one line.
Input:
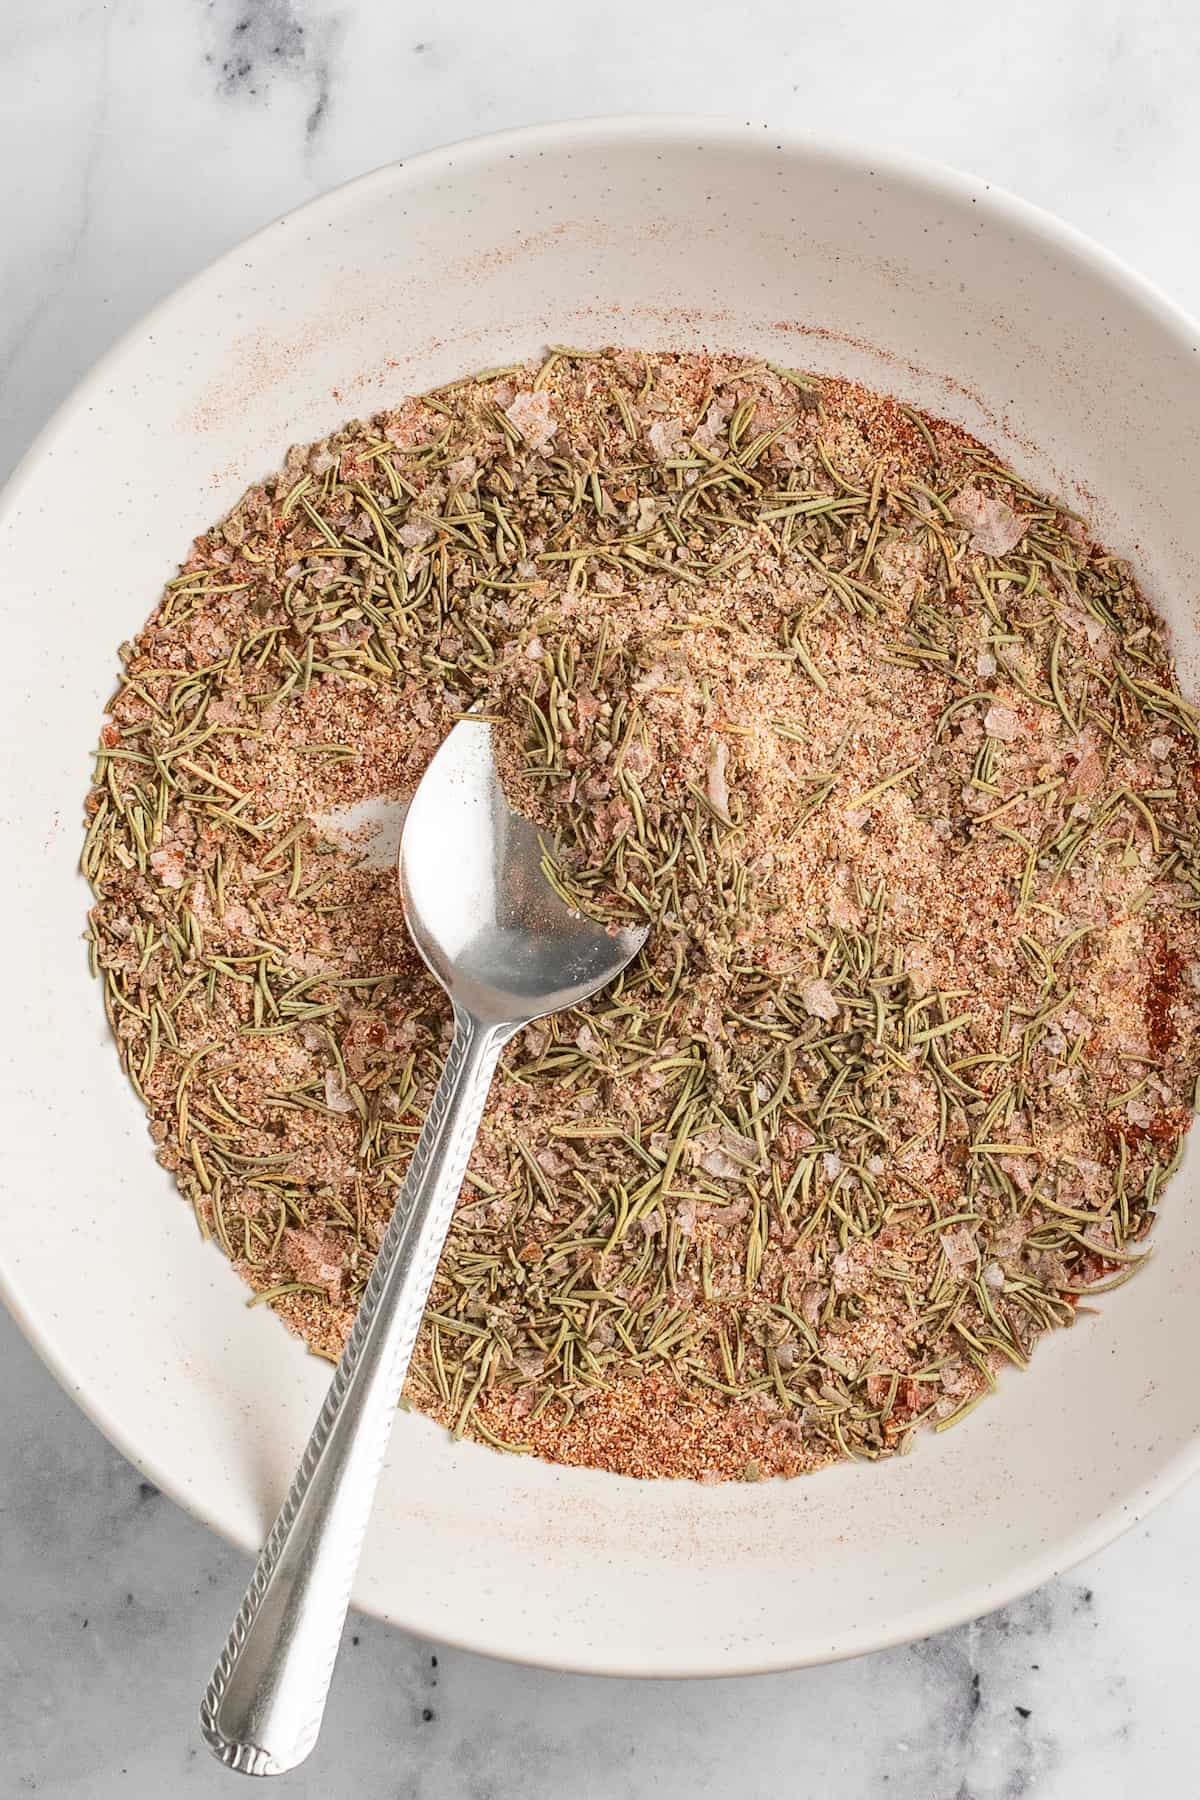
{"points": [[657, 233]]}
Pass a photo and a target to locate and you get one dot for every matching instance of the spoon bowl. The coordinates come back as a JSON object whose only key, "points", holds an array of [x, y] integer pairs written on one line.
{"points": [[479, 908]]}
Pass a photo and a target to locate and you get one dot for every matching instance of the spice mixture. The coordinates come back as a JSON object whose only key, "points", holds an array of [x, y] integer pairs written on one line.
{"points": [[887, 751]]}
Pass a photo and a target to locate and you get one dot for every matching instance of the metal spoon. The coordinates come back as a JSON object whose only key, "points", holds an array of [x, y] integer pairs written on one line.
{"points": [[507, 950]]}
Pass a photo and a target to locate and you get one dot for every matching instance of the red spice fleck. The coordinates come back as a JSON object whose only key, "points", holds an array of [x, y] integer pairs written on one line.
{"points": [[1162, 990], [1164, 1128]]}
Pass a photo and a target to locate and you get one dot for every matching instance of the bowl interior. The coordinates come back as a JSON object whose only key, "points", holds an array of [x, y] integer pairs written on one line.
{"points": [[662, 235]]}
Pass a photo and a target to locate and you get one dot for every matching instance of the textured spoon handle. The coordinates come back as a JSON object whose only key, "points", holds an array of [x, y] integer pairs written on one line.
{"points": [[262, 1710]]}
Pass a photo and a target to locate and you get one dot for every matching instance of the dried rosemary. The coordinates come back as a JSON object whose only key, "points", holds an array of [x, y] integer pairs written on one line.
{"points": [[888, 751]]}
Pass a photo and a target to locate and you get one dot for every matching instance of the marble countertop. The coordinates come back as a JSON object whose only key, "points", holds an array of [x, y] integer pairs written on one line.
{"points": [[139, 139]]}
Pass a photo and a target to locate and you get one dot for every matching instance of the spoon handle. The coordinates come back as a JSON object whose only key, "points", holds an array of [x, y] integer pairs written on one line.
{"points": [[262, 1709]]}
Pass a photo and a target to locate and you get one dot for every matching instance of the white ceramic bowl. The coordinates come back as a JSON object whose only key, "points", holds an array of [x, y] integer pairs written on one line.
{"points": [[655, 233]]}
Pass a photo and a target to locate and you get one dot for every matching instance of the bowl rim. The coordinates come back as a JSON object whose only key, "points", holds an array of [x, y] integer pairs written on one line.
{"points": [[724, 133]]}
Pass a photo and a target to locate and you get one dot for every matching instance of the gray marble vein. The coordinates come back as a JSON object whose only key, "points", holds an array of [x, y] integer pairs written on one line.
{"points": [[140, 138], [257, 43]]}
